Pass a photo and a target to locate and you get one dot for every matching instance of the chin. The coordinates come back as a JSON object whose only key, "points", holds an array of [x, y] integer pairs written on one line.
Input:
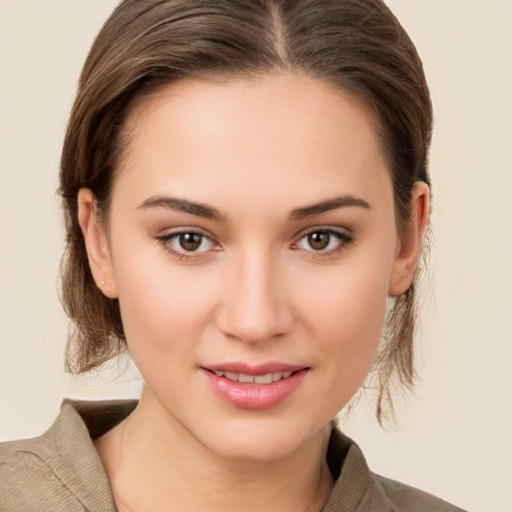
{"points": [[262, 450], [258, 441]]}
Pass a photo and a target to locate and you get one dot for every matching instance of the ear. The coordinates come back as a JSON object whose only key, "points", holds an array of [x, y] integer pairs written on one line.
{"points": [[410, 244], [96, 243]]}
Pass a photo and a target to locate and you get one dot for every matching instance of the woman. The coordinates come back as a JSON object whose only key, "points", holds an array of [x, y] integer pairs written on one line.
{"points": [[245, 187]]}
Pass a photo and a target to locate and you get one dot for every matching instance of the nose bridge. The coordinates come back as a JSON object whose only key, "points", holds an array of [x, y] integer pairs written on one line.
{"points": [[255, 307]]}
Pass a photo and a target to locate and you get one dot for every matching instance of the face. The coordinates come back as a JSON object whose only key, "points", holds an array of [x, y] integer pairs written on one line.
{"points": [[252, 245]]}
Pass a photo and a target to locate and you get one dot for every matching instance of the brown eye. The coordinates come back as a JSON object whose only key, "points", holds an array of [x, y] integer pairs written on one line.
{"points": [[190, 241], [319, 241], [188, 244], [324, 241]]}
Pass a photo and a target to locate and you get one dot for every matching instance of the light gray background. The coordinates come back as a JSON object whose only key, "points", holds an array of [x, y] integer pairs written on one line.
{"points": [[454, 438]]}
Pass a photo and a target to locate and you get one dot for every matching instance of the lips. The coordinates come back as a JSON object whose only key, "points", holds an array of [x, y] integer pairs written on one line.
{"points": [[266, 378], [254, 387]]}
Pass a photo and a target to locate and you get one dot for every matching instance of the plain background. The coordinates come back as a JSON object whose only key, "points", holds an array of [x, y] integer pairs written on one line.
{"points": [[454, 437]]}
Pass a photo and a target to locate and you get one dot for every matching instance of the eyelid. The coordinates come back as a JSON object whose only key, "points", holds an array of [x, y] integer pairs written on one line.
{"points": [[335, 230], [165, 240], [168, 233], [344, 236]]}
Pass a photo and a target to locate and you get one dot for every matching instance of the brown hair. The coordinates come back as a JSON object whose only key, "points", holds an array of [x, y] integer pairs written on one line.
{"points": [[356, 45]]}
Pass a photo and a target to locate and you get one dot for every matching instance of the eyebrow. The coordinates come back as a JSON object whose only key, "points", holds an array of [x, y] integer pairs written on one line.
{"points": [[209, 212], [327, 205], [182, 205]]}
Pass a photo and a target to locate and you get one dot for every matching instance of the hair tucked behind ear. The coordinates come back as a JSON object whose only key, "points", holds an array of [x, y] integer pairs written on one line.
{"points": [[97, 334], [355, 45]]}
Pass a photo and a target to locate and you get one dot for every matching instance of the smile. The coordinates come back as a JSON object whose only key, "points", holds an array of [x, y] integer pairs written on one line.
{"points": [[259, 387], [244, 378]]}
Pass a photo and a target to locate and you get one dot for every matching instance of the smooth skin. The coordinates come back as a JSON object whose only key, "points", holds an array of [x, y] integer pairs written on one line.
{"points": [[215, 256]]}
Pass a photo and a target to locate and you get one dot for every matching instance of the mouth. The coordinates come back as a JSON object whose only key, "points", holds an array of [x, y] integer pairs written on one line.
{"points": [[244, 378], [258, 387]]}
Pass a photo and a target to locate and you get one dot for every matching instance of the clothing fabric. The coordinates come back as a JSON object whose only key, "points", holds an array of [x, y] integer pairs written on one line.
{"points": [[62, 471]]}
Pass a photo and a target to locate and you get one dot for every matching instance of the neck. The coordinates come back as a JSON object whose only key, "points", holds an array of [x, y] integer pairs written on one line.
{"points": [[154, 464]]}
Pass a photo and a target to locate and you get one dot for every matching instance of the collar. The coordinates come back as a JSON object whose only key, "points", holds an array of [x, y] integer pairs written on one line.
{"points": [[70, 452]]}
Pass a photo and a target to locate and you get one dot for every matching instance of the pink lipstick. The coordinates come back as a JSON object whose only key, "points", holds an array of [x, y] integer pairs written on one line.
{"points": [[254, 387]]}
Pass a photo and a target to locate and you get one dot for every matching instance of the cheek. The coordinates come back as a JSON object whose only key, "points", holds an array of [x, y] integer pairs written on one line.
{"points": [[351, 302], [346, 318], [163, 307]]}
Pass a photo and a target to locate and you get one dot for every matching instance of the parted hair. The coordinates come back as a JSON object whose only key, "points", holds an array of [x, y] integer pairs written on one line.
{"points": [[357, 46]]}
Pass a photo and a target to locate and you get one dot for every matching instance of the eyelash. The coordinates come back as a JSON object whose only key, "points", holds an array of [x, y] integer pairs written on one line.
{"points": [[166, 241], [342, 237]]}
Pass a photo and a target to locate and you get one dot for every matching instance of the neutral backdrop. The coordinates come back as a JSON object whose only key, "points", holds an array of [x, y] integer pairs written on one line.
{"points": [[454, 437]]}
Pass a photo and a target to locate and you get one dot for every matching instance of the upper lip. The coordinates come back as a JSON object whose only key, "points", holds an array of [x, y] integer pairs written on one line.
{"points": [[253, 369]]}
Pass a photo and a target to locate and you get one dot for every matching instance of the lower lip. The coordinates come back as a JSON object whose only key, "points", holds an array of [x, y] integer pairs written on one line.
{"points": [[254, 396]]}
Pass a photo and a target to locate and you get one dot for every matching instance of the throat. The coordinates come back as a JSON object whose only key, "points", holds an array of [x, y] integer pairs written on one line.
{"points": [[151, 468]]}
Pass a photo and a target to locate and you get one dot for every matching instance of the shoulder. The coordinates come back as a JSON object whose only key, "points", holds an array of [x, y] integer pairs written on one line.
{"points": [[358, 489], [59, 470], [405, 498], [28, 480]]}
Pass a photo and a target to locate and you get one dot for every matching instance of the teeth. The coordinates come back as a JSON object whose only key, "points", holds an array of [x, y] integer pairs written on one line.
{"points": [[267, 378], [231, 376], [263, 379]]}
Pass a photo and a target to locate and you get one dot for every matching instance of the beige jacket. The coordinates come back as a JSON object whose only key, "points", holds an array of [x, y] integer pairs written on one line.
{"points": [[61, 470]]}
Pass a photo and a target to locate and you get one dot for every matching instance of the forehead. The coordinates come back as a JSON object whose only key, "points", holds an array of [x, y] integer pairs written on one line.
{"points": [[277, 134]]}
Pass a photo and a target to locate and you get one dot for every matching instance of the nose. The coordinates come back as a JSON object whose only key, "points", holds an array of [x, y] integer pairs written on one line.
{"points": [[255, 307]]}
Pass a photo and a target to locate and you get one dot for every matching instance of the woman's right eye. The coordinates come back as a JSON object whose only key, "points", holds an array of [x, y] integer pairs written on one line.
{"points": [[187, 243]]}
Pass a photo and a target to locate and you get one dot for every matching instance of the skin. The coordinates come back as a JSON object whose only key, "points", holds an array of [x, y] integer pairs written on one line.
{"points": [[256, 291]]}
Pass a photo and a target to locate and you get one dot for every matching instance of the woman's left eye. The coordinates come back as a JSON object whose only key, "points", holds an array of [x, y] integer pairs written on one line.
{"points": [[187, 242], [323, 240]]}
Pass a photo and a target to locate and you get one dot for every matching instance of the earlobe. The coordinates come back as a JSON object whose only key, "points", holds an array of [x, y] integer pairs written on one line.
{"points": [[409, 248], [96, 244]]}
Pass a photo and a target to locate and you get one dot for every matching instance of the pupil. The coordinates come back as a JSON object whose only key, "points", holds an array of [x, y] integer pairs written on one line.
{"points": [[318, 241], [190, 241]]}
